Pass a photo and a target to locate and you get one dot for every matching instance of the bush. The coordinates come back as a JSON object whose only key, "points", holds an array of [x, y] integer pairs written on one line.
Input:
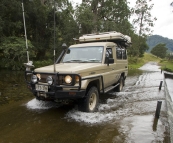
{"points": [[14, 53], [132, 60], [167, 69], [43, 63]]}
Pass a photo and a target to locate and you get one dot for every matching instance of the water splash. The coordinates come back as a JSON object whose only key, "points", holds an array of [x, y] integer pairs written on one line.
{"points": [[37, 104], [139, 97]]}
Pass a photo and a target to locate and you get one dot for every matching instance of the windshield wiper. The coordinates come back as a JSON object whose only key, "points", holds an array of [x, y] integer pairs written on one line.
{"points": [[94, 60], [82, 61], [71, 61]]}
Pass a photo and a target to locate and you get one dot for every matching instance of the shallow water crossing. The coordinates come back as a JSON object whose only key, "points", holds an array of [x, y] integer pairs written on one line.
{"points": [[125, 117]]}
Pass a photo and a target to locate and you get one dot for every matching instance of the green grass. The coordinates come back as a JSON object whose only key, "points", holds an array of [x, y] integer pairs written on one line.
{"points": [[135, 62], [166, 65]]}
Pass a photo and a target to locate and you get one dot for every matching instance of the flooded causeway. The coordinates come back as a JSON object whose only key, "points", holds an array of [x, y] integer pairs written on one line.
{"points": [[125, 117]]}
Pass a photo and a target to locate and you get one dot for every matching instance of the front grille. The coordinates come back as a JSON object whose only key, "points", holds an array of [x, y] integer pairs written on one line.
{"points": [[59, 79]]}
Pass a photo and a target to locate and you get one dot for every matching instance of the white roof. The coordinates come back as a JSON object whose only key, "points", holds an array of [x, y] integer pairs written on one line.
{"points": [[92, 44], [105, 36]]}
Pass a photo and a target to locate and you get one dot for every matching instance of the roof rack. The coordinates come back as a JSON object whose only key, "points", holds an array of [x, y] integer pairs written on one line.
{"points": [[100, 33], [111, 36]]}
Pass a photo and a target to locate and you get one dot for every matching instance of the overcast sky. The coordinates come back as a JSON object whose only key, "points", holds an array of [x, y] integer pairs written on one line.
{"points": [[164, 14]]}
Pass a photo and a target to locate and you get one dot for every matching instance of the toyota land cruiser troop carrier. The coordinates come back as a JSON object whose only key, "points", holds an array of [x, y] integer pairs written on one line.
{"points": [[83, 71]]}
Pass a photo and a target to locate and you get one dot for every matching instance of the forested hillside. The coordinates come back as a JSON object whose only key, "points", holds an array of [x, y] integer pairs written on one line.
{"points": [[70, 22], [154, 40]]}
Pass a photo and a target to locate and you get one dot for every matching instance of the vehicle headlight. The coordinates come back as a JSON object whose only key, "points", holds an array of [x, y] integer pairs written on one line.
{"points": [[34, 78], [68, 79], [76, 79], [49, 80], [39, 76]]}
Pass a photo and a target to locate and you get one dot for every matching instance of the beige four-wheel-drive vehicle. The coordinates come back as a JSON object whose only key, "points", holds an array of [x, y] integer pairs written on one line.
{"points": [[84, 71]]}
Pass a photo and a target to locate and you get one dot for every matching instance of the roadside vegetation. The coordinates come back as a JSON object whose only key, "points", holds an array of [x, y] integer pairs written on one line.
{"points": [[167, 65], [135, 63], [71, 22]]}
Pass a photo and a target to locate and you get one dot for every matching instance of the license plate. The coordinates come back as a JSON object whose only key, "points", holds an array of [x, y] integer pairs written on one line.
{"points": [[41, 87]]}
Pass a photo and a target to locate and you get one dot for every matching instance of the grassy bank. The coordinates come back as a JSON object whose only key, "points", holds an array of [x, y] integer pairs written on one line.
{"points": [[166, 65], [135, 62]]}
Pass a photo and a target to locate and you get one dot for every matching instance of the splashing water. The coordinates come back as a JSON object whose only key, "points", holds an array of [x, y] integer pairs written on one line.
{"points": [[37, 104], [133, 100]]}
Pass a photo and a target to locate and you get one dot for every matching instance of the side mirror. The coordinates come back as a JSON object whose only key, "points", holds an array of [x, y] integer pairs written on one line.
{"points": [[110, 61], [68, 51], [64, 46]]}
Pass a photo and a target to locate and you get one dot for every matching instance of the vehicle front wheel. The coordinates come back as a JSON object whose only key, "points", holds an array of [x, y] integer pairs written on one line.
{"points": [[90, 102]]}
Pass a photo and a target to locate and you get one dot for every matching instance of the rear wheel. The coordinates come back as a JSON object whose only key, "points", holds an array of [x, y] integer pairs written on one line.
{"points": [[90, 102], [121, 84]]}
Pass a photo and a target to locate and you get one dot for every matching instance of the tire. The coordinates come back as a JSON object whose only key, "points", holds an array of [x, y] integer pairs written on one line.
{"points": [[121, 84], [90, 102]]}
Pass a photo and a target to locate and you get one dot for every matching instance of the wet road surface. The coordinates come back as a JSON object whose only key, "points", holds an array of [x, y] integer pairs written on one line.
{"points": [[125, 117]]}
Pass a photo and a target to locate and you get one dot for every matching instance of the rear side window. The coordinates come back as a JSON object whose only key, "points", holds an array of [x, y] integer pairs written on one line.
{"points": [[124, 54], [121, 53]]}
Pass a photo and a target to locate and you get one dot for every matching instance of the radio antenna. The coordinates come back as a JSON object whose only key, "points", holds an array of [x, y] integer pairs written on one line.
{"points": [[25, 32], [54, 40], [28, 65]]}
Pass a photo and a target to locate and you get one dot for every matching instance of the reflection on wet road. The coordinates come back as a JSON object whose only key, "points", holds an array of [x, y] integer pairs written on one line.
{"points": [[126, 117]]}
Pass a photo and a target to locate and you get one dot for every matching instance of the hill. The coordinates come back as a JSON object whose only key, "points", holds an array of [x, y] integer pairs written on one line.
{"points": [[153, 40]]}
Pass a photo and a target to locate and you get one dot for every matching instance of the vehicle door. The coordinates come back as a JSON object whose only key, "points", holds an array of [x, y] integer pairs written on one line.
{"points": [[109, 74]]}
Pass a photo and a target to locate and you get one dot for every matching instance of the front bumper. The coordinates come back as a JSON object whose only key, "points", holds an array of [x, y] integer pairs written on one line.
{"points": [[56, 91]]}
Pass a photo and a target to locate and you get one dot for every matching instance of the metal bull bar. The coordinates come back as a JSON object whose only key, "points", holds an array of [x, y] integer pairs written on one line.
{"points": [[56, 75]]}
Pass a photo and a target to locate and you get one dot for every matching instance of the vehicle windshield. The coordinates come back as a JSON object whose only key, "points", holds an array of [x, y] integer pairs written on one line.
{"points": [[84, 55]]}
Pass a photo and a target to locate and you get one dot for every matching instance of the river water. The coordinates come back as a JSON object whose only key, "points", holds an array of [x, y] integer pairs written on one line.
{"points": [[125, 117]]}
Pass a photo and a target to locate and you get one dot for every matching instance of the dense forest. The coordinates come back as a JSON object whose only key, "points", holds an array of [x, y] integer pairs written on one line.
{"points": [[91, 16], [154, 40]]}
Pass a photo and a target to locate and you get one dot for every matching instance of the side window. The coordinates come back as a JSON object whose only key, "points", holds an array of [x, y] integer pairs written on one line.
{"points": [[108, 54], [124, 53], [119, 53]]}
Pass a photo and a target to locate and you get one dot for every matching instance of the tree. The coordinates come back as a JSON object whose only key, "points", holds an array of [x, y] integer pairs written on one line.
{"points": [[105, 15], [169, 56], [159, 50], [10, 18], [90, 16], [14, 53], [143, 20], [138, 47], [84, 18], [171, 4]]}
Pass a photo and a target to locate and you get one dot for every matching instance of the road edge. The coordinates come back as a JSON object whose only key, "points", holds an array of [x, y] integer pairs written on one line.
{"points": [[169, 104]]}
